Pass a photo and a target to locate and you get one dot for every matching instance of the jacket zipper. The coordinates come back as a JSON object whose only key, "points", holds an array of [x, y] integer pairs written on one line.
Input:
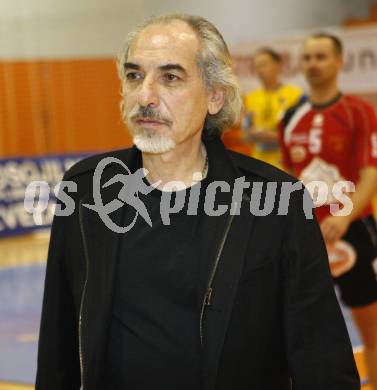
{"points": [[206, 299], [208, 295], [81, 352]]}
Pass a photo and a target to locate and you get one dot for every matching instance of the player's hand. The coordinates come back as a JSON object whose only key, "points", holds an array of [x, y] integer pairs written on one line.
{"points": [[267, 136], [334, 227]]}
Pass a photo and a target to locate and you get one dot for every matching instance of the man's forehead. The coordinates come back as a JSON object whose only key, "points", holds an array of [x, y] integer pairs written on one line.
{"points": [[263, 57], [322, 43], [176, 35]]}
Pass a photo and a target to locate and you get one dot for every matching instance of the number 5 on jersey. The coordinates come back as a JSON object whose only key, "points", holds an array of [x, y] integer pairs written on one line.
{"points": [[315, 140]]}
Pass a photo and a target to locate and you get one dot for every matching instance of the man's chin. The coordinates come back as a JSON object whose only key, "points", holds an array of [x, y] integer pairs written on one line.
{"points": [[154, 145], [315, 80]]}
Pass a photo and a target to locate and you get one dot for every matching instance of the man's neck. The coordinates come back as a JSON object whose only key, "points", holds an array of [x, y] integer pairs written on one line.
{"points": [[323, 94], [272, 85], [178, 164]]}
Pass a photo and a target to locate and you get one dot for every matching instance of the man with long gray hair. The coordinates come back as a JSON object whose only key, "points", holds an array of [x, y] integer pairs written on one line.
{"points": [[202, 299]]}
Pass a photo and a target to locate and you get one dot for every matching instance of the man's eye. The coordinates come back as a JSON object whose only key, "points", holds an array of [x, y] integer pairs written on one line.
{"points": [[171, 77], [133, 76]]}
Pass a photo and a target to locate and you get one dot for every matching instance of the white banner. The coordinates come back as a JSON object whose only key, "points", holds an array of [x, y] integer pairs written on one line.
{"points": [[359, 74]]}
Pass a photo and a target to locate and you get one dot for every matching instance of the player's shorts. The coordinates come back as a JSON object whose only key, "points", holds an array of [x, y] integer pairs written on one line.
{"points": [[358, 286]]}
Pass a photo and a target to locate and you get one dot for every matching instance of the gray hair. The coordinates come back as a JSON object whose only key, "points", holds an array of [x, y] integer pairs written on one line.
{"points": [[214, 62]]}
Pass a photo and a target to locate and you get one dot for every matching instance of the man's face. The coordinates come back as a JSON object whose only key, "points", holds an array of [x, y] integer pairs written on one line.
{"points": [[267, 69], [320, 61], [165, 98]]}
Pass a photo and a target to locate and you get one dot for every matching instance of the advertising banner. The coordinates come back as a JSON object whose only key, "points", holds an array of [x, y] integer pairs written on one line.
{"points": [[15, 175]]}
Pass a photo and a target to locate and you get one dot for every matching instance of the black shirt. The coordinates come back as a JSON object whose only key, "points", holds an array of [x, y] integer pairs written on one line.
{"points": [[154, 339]]}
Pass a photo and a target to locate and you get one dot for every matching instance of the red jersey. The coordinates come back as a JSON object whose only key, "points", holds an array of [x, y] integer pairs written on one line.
{"points": [[330, 143]]}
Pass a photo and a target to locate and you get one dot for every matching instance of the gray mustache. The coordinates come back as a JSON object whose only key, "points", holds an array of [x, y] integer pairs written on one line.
{"points": [[149, 113]]}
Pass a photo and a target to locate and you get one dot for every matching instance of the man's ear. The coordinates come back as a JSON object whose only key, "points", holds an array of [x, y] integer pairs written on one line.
{"points": [[216, 100]]}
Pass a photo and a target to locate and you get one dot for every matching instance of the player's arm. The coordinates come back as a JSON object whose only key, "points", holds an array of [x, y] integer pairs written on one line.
{"points": [[264, 135], [334, 227], [366, 188], [247, 116], [250, 131], [246, 124], [365, 148], [293, 95], [286, 160]]}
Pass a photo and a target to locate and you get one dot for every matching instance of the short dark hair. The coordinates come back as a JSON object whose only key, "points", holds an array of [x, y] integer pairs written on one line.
{"points": [[275, 56], [337, 43]]}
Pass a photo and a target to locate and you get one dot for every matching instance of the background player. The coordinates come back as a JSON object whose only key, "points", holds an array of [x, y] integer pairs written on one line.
{"points": [[333, 137], [266, 105]]}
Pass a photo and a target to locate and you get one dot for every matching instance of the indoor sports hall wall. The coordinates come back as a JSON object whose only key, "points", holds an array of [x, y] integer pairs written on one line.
{"points": [[59, 106]]}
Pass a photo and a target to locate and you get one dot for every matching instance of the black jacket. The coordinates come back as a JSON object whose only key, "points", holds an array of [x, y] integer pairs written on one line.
{"points": [[269, 321]]}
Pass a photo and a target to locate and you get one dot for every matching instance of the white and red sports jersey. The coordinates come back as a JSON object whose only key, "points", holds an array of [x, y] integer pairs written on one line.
{"points": [[329, 143]]}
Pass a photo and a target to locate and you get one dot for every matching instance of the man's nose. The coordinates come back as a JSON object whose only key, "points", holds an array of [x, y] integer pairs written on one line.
{"points": [[148, 94], [312, 62]]}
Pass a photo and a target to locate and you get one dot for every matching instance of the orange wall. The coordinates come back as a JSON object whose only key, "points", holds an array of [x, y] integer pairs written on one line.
{"points": [[68, 106], [59, 106]]}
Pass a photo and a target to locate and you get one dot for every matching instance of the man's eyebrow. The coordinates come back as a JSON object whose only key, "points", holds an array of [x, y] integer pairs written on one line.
{"points": [[180, 68], [172, 67], [130, 65]]}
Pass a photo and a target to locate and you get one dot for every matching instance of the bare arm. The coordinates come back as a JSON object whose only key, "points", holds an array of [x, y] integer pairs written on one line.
{"points": [[334, 227]]}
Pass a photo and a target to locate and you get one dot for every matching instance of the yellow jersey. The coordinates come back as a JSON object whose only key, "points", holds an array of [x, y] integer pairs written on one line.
{"points": [[266, 109]]}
